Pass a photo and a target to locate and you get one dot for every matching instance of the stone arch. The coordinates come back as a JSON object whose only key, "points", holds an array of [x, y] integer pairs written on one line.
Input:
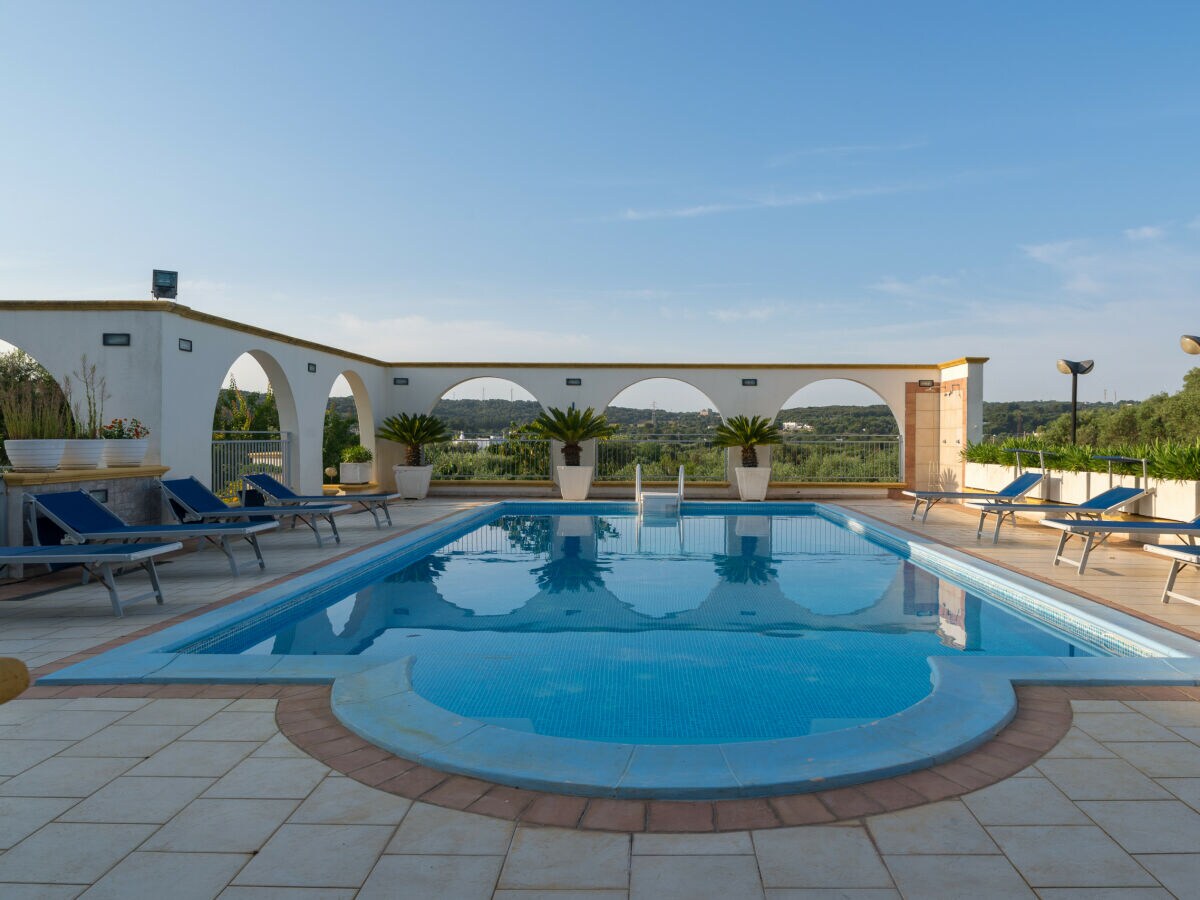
{"points": [[662, 378], [463, 381], [897, 416], [363, 406], [285, 403]]}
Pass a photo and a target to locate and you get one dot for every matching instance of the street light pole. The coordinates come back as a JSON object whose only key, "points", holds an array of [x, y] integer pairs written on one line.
{"points": [[1075, 369]]}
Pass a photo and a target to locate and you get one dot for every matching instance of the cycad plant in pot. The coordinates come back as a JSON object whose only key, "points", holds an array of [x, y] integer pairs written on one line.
{"points": [[572, 427], [35, 419], [414, 432], [356, 465], [749, 433], [85, 444]]}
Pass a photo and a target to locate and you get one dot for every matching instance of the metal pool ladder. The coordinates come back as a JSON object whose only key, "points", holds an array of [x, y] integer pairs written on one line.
{"points": [[658, 509]]}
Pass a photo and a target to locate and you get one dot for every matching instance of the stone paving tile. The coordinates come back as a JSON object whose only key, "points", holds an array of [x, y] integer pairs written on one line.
{"points": [[222, 826], [63, 853], [1122, 893], [1186, 789], [1160, 759], [127, 740], [822, 856], [343, 801], [832, 894], [69, 725], [434, 829], [175, 712], [317, 856], [273, 778], [727, 842], [1171, 713], [63, 776], [950, 877], [137, 799], [1123, 727], [560, 895], [1079, 745], [109, 703], [425, 877], [12, 891], [694, 878], [1100, 779], [208, 759], [1069, 856], [1160, 826], [235, 726], [234, 892], [18, 755], [1099, 706], [180, 876], [22, 816], [1024, 801], [1178, 872], [279, 747], [946, 827], [557, 859]]}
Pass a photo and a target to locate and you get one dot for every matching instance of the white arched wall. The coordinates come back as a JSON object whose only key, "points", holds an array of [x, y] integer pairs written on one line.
{"points": [[684, 381], [459, 383], [363, 406], [897, 412]]}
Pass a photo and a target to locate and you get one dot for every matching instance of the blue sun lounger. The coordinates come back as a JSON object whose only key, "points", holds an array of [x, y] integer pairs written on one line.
{"points": [[1010, 493], [1094, 508], [1095, 533], [81, 519], [98, 561], [280, 493], [1181, 557], [191, 501]]}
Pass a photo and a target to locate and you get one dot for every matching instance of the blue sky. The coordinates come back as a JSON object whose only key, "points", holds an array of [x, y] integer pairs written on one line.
{"points": [[801, 182]]}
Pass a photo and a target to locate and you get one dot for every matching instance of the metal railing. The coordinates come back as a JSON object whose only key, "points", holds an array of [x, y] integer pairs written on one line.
{"points": [[236, 453], [660, 456], [839, 457], [490, 459]]}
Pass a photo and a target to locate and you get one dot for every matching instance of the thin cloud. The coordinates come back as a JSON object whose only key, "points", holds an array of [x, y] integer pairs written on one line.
{"points": [[744, 314], [1145, 233], [815, 198], [916, 287], [840, 150]]}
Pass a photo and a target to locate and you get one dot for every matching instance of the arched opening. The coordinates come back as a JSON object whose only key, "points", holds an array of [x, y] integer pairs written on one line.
{"points": [[349, 432], [254, 424], [33, 404], [837, 431], [489, 420], [664, 423]]}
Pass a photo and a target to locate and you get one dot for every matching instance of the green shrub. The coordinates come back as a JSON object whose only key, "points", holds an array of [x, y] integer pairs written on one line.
{"points": [[1167, 460], [357, 453]]}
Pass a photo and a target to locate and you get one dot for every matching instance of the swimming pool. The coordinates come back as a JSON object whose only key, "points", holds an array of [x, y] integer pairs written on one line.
{"points": [[705, 629], [746, 650]]}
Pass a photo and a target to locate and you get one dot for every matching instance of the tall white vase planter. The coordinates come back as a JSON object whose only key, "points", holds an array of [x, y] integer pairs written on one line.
{"points": [[574, 482], [123, 452], [82, 453], [753, 482], [412, 482], [34, 455]]}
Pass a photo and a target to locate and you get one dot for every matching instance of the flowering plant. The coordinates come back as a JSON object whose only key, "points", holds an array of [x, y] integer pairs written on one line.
{"points": [[124, 429]]}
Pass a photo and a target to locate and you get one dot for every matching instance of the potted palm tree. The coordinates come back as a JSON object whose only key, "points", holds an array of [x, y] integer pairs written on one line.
{"points": [[414, 432], [572, 427], [749, 433]]}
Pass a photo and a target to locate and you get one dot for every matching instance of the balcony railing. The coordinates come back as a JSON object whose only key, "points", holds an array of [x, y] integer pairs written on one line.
{"points": [[490, 459], [237, 453], [838, 457], [660, 457]]}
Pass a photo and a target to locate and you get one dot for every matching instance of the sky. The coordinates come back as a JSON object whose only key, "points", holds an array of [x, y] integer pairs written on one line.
{"points": [[610, 181]]}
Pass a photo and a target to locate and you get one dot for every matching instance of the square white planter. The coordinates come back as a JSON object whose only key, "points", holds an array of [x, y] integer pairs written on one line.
{"points": [[355, 473]]}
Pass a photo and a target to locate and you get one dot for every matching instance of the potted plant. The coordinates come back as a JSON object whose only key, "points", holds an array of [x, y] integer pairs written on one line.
{"points": [[572, 428], [85, 447], [125, 442], [414, 432], [749, 433], [356, 467], [34, 422]]}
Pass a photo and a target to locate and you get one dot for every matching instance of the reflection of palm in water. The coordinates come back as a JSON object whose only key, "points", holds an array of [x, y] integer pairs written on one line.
{"points": [[423, 570], [572, 572], [746, 567]]}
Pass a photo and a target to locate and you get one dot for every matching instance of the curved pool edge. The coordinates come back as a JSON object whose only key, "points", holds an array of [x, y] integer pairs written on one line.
{"points": [[971, 701]]}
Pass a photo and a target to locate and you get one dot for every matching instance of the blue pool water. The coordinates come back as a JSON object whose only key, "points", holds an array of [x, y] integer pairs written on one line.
{"points": [[710, 630]]}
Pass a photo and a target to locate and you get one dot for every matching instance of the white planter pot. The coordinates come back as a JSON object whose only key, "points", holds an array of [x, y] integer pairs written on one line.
{"points": [[34, 455], [412, 482], [1179, 500], [82, 453], [357, 473], [752, 483], [574, 482], [125, 452]]}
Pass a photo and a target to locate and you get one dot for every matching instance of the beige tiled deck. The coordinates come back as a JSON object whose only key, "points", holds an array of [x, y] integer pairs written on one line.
{"points": [[204, 797]]}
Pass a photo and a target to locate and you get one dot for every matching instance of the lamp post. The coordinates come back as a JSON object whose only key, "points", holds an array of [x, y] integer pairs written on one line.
{"points": [[1190, 343], [1075, 369]]}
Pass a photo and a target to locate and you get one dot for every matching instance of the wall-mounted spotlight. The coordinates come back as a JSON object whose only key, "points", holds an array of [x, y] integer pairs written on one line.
{"points": [[925, 383], [574, 382], [1190, 343], [312, 367], [115, 339], [185, 345], [749, 382], [400, 381], [164, 284]]}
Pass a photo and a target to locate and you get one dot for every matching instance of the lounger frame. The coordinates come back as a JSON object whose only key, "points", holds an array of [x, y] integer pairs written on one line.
{"points": [[283, 496], [932, 498], [1095, 533], [1079, 511], [105, 566], [1181, 558]]}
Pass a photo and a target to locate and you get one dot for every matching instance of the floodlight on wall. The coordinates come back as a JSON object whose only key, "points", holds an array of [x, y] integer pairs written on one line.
{"points": [[400, 381], [1075, 369], [1190, 343], [925, 383], [164, 285], [185, 345], [312, 367], [115, 339], [574, 382], [749, 382]]}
